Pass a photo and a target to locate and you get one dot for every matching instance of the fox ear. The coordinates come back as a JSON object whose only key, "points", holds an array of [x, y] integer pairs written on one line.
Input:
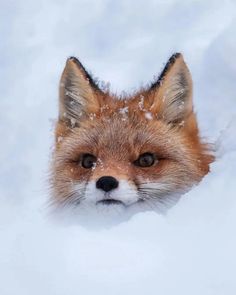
{"points": [[172, 100], [77, 94]]}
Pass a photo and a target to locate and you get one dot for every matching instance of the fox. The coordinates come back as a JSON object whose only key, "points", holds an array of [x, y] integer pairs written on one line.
{"points": [[137, 152]]}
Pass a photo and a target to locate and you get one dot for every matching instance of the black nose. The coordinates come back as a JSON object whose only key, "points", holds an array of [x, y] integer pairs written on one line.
{"points": [[107, 183]]}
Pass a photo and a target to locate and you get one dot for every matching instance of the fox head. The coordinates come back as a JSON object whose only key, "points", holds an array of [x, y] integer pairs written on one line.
{"points": [[141, 151]]}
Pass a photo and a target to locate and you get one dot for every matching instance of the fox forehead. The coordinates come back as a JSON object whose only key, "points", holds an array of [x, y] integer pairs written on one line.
{"points": [[120, 136]]}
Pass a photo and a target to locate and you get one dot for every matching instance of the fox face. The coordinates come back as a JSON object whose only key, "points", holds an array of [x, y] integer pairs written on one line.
{"points": [[140, 152]]}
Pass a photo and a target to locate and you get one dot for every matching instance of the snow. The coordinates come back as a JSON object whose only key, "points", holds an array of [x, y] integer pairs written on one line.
{"points": [[148, 115], [124, 111], [141, 103], [191, 250]]}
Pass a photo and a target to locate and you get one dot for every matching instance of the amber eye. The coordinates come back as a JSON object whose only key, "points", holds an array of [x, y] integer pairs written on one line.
{"points": [[88, 161], [145, 160]]}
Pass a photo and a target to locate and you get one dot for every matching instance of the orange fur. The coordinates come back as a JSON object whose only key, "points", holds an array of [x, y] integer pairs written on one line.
{"points": [[158, 120]]}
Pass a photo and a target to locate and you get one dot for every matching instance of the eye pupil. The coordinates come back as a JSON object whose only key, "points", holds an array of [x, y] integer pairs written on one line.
{"points": [[88, 161], [145, 160]]}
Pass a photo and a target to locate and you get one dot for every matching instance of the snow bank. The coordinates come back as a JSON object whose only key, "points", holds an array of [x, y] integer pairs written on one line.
{"points": [[189, 251]]}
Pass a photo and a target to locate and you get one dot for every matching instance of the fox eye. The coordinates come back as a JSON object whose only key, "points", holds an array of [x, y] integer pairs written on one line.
{"points": [[145, 160], [88, 161]]}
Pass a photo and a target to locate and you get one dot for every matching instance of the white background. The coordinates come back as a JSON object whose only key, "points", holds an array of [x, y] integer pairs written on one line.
{"points": [[189, 251]]}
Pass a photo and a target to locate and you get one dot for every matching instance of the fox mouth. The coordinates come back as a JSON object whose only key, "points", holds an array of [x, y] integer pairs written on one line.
{"points": [[109, 202]]}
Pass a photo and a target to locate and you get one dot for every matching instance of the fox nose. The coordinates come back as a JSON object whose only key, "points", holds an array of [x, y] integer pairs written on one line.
{"points": [[107, 183]]}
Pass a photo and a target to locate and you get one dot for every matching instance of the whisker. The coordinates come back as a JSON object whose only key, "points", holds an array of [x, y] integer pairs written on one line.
{"points": [[71, 198]]}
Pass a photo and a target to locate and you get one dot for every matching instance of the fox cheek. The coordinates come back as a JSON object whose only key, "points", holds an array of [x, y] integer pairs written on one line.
{"points": [[68, 193]]}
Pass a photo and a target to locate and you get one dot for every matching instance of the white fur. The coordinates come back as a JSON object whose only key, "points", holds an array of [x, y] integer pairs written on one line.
{"points": [[125, 193], [128, 194]]}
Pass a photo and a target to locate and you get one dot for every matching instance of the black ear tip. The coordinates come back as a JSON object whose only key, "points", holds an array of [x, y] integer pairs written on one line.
{"points": [[75, 63], [174, 56], [74, 60], [177, 54], [167, 67]]}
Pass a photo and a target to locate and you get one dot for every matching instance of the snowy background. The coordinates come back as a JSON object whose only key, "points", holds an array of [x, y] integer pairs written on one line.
{"points": [[189, 251]]}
